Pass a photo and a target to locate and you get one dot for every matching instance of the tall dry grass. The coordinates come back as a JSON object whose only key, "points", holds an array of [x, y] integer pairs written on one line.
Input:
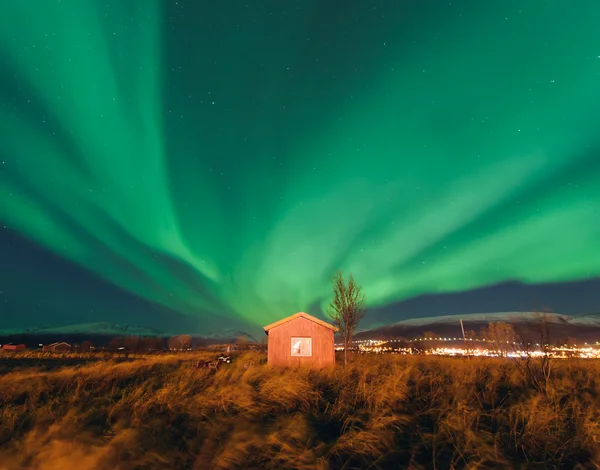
{"points": [[379, 412]]}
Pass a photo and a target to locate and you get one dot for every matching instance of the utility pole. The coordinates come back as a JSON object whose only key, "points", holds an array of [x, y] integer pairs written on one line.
{"points": [[462, 327]]}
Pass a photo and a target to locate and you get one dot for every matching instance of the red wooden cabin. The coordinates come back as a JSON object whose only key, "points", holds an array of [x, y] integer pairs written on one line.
{"points": [[301, 340], [13, 347]]}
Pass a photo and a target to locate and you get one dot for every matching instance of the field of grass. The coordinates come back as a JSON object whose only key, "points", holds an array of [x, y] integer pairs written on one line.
{"points": [[158, 412]]}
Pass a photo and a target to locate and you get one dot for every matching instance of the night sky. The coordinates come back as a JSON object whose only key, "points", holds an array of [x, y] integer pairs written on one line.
{"points": [[192, 165]]}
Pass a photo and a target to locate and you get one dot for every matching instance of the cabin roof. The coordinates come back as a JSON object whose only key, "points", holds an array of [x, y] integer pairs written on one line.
{"points": [[298, 315]]}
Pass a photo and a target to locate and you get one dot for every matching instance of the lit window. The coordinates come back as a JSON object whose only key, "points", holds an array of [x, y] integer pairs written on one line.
{"points": [[301, 346]]}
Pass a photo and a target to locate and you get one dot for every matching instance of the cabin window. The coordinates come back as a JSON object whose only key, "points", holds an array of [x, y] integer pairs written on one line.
{"points": [[302, 347]]}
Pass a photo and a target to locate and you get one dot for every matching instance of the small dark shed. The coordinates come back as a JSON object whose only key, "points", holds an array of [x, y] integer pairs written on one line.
{"points": [[301, 339]]}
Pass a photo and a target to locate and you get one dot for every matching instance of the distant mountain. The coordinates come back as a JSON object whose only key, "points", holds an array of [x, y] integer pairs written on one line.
{"points": [[509, 317], [102, 333], [104, 329], [229, 334], [584, 327]]}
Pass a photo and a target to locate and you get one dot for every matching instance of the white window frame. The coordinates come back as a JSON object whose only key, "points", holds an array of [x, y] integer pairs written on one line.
{"points": [[303, 352]]}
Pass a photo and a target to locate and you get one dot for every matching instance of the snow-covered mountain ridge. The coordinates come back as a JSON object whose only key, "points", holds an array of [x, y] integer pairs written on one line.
{"points": [[113, 329], [510, 317], [583, 327], [101, 328]]}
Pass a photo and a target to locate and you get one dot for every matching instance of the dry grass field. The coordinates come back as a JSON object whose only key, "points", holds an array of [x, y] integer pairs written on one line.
{"points": [[158, 412]]}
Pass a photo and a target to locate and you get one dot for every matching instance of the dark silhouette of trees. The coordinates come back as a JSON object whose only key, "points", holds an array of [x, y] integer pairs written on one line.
{"points": [[180, 342], [87, 346], [135, 344], [116, 343]]}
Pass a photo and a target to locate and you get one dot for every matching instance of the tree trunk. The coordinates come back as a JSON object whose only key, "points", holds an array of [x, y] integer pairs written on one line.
{"points": [[345, 353]]}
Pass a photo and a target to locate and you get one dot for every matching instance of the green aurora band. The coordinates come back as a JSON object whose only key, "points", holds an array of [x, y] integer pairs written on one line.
{"points": [[229, 160]]}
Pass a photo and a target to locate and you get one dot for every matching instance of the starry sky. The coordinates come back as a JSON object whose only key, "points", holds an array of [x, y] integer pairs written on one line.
{"points": [[199, 165]]}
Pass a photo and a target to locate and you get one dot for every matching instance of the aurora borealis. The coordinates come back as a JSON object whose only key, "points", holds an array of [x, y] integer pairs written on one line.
{"points": [[225, 160]]}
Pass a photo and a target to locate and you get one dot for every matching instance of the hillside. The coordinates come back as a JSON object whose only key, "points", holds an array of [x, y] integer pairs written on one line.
{"points": [[102, 332], [582, 328], [100, 328]]}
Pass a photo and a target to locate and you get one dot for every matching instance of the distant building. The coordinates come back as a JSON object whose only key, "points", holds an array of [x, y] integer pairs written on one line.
{"points": [[57, 347], [14, 347], [301, 340]]}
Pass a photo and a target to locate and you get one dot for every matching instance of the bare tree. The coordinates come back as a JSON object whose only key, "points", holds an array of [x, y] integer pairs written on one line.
{"points": [[347, 308], [149, 344], [535, 337], [469, 336], [429, 335], [180, 342], [242, 343], [500, 336], [132, 343], [570, 344]]}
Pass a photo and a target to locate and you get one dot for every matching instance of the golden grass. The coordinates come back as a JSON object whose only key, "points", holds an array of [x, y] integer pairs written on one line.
{"points": [[157, 411]]}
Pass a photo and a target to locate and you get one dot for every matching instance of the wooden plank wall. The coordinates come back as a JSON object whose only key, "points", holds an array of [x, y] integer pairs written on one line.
{"points": [[280, 344]]}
